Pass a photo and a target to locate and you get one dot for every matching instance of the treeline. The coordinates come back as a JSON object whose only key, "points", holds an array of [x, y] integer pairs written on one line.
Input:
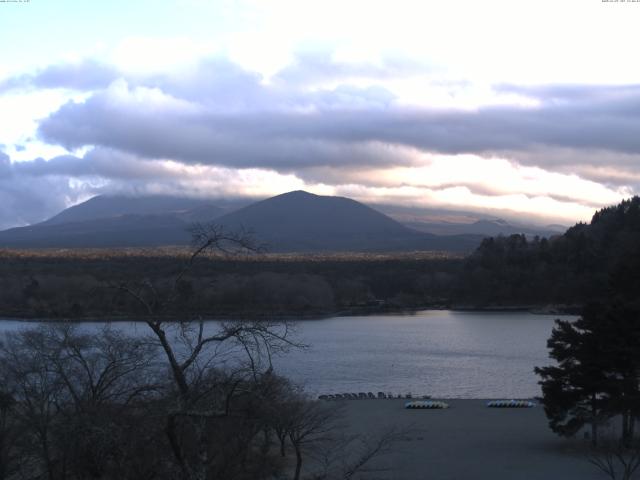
{"points": [[59, 285], [589, 262], [595, 380]]}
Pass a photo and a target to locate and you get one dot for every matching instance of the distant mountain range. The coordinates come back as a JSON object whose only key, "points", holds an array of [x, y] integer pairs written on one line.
{"points": [[485, 227], [452, 222], [292, 222]]}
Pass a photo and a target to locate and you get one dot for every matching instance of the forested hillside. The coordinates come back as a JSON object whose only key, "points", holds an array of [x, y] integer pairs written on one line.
{"points": [[589, 261]]}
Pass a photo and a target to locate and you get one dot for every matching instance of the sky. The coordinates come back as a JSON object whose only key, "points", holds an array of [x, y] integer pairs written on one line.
{"points": [[529, 110]]}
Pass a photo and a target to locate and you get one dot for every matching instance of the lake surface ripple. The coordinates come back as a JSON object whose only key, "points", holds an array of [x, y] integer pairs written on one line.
{"points": [[446, 354]]}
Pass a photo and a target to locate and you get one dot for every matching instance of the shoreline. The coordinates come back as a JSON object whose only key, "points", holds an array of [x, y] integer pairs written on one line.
{"points": [[559, 310], [434, 398]]}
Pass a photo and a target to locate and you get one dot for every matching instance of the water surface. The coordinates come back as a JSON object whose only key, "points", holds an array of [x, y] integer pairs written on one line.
{"points": [[447, 354]]}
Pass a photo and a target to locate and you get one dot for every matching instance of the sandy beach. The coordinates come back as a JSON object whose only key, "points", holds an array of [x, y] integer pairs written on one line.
{"points": [[471, 441]]}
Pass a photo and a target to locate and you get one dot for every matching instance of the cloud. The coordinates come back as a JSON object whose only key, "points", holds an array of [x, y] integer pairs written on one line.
{"points": [[25, 199], [321, 68], [5, 164], [86, 75], [103, 163], [217, 129], [46, 186], [568, 93], [151, 124], [485, 177], [222, 86], [611, 168], [220, 83], [33, 191], [232, 119]]}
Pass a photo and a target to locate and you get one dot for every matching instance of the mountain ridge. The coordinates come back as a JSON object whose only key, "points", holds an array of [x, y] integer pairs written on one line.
{"points": [[294, 221], [107, 206], [316, 223]]}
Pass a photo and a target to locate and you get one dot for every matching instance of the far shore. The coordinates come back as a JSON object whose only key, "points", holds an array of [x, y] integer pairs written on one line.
{"points": [[355, 311], [469, 440]]}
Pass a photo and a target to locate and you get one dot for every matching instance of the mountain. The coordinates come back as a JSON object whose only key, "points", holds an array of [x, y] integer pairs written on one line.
{"points": [[104, 206], [116, 221], [292, 222], [122, 231], [484, 227], [456, 222], [303, 222]]}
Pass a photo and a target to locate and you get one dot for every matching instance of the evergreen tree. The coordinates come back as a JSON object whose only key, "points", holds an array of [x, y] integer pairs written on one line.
{"points": [[619, 333], [597, 372], [575, 390]]}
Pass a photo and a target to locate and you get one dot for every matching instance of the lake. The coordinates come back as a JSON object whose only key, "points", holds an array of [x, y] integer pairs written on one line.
{"points": [[448, 354]]}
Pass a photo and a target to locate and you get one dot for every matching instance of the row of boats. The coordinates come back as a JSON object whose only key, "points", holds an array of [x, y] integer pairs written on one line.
{"points": [[368, 395], [434, 404], [423, 402]]}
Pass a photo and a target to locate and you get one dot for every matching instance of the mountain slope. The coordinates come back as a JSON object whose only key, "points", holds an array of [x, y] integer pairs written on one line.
{"points": [[116, 221], [303, 222], [456, 222], [483, 227], [292, 222], [122, 231], [104, 206]]}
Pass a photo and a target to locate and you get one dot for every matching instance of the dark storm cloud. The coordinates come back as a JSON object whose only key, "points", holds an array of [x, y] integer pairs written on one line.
{"points": [[238, 119], [288, 137], [194, 134], [85, 76]]}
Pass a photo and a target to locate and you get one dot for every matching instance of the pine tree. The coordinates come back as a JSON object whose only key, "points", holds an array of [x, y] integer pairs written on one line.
{"points": [[575, 391], [597, 372]]}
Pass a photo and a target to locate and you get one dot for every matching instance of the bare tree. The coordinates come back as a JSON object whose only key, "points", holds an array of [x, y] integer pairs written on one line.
{"points": [[72, 395], [8, 435], [193, 350], [309, 423], [37, 392]]}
